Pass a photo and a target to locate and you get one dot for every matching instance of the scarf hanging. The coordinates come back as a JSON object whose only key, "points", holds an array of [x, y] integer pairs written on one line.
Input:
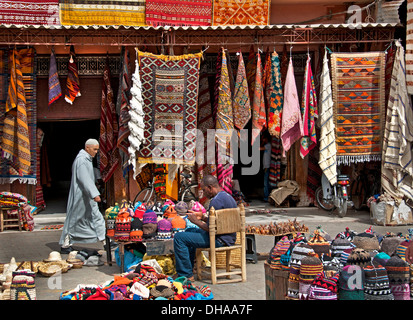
{"points": [[292, 126], [40, 203], [259, 121], [216, 87], [275, 97], [225, 123], [136, 124], [55, 91], [109, 156], [309, 112], [241, 105], [397, 169], [16, 140], [122, 108], [251, 69], [72, 82], [205, 164], [328, 151]]}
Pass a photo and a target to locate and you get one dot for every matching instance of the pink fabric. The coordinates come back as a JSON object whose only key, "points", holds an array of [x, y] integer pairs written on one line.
{"points": [[292, 125]]}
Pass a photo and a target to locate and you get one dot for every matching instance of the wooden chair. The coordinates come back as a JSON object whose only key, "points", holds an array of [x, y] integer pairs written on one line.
{"points": [[221, 222], [5, 217]]}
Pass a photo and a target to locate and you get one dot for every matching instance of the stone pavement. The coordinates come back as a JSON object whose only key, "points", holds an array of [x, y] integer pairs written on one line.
{"points": [[37, 245]]}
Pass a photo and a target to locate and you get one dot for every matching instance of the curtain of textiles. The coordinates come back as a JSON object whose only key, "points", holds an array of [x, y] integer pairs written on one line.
{"points": [[28, 66]]}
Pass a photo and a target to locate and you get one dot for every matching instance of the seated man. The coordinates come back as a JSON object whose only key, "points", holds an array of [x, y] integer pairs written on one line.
{"points": [[185, 243]]}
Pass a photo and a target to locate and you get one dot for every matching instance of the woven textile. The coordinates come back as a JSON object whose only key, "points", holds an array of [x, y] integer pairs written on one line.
{"points": [[292, 126], [409, 47], [55, 91], [15, 143], [259, 118], [328, 150], [108, 153], [275, 97], [275, 164], [104, 12], [122, 108], [170, 100], [358, 93], [309, 112], [397, 169], [29, 12], [72, 82], [40, 203], [178, 12], [241, 12], [251, 69], [241, 105]]}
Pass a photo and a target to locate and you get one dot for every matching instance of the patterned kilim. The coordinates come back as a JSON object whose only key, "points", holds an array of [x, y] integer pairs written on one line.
{"points": [[409, 47], [29, 12], [10, 169], [103, 12], [241, 12], [170, 100], [178, 12], [358, 92], [72, 81]]}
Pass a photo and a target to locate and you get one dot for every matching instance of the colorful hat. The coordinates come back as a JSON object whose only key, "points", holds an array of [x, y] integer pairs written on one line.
{"points": [[390, 244], [310, 267], [149, 217], [398, 272], [366, 241], [359, 256], [164, 229], [376, 284], [149, 230], [181, 208], [409, 254], [139, 211], [319, 244], [136, 230], [346, 234], [170, 212], [189, 224], [197, 206], [401, 249], [157, 208], [324, 287], [352, 279], [123, 226], [178, 224], [338, 245], [300, 251], [110, 217], [280, 248], [126, 207], [382, 258]]}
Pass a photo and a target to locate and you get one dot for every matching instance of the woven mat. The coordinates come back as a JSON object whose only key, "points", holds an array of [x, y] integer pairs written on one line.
{"points": [[52, 227]]}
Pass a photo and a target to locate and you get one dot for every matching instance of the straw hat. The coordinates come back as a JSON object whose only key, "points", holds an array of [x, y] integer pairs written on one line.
{"points": [[49, 269], [53, 256]]}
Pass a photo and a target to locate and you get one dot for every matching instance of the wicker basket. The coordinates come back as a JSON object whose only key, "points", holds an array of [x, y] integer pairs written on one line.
{"points": [[235, 256], [49, 269], [76, 263]]}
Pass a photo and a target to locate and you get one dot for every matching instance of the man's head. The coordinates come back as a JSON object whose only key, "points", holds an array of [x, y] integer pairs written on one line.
{"points": [[92, 147], [210, 186]]}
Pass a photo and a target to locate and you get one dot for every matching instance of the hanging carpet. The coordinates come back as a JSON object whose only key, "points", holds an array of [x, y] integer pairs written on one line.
{"points": [[241, 12], [29, 12], [102, 12], [178, 12], [358, 82], [170, 100], [241, 104], [55, 91], [72, 81]]}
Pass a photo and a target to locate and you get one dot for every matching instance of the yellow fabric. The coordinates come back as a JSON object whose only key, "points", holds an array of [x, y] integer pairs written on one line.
{"points": [[103, 14], [172, 188]]}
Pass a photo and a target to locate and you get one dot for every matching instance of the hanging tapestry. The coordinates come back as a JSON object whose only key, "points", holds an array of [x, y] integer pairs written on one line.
{"points": [[275, 163], [225, 128], [241, 105], [108, 152], [397, 168], [178, 12], [216, 87], [309, 112], [205, 160], [328, 150], [40, 203], [292, 126], [409, 47], [358, 92], [19, 152], [103, 12], [259, 118], [275, 97], [251, 70], [241, 12], [122, 109], [55, 91], [29, 12], [170, 101], [72, 81]]}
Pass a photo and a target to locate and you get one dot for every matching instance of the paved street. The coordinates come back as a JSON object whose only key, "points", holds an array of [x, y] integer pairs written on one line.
{"points": [[37, 245]]}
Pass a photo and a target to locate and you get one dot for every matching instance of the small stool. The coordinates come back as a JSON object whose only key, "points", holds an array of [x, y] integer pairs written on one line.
{"points": [[4, 218], [251, 250]]}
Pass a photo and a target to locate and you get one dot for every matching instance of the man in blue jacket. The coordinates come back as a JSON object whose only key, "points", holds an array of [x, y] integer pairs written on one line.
{"points": [[186, 243]]}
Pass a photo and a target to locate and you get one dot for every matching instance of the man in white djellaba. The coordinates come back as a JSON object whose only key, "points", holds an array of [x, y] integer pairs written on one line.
{"points": [[84, 222]]}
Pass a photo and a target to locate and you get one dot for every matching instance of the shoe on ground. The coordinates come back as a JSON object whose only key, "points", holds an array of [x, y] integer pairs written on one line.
{"points": [[66, 250]]}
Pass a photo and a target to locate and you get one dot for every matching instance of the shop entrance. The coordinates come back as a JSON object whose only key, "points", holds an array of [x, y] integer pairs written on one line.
{"points": [[62, 142]]}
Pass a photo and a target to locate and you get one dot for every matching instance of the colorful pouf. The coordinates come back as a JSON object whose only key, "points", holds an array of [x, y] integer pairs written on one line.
{"points": [[310, 267], [324, 287], [23, 286], [398, 272], [300, 251], [351, 283], [164, 230], [376, 284]]}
